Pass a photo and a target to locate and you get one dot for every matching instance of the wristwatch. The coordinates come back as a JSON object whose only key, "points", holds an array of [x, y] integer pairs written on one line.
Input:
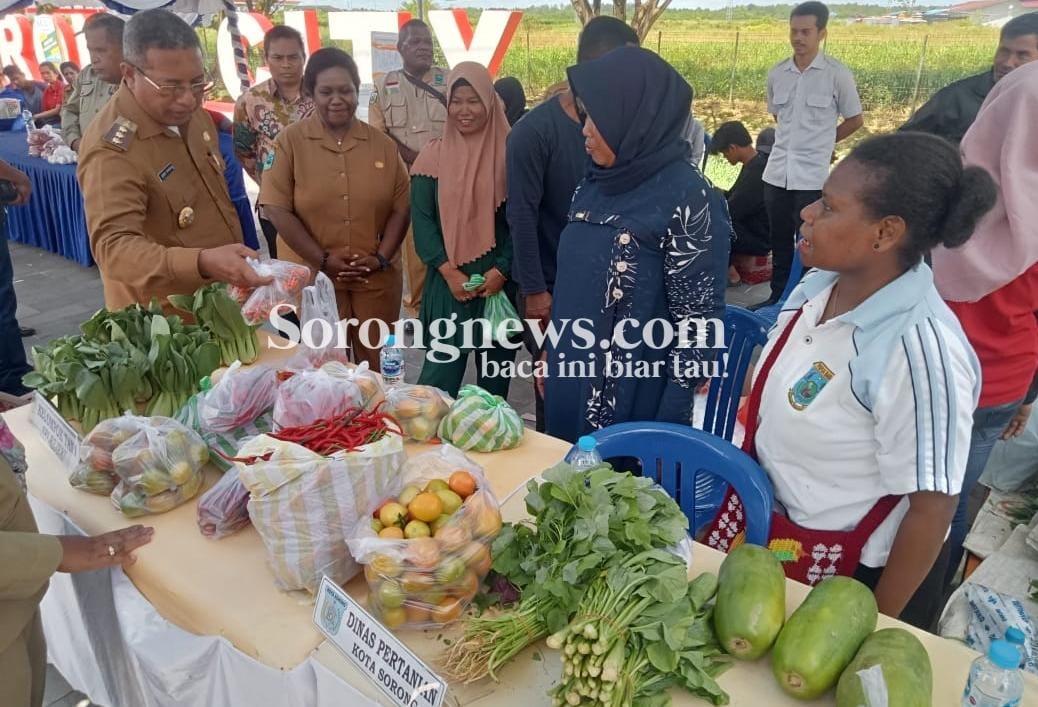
{"points": [[382, 262]]}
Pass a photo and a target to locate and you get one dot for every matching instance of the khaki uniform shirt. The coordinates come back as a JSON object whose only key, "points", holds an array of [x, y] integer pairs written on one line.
{"points": [[343, 194], [409, 113], [89, 95], [154, 200], [27, 560]]}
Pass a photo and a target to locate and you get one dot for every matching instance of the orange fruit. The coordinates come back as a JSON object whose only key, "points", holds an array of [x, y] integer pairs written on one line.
{"points": [[462, 483], [391, 533], [446, 611], [426, 507], [417, 582]]}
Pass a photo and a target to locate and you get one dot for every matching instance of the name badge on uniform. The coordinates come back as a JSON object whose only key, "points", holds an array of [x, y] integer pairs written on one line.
{"points": [[805, 390], [166, 171]]}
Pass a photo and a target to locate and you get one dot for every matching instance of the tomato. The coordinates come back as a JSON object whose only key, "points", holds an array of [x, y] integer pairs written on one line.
{"points": [[391, 533], [384, 566], [416, 613], [446, 611], [451, 570], [453, 537], [417, 582], [390, 595], [423, 553], [394, 618], [462, 483], [426, 507], [467, 587], [437, 485], [393, 513], [478, 557]]}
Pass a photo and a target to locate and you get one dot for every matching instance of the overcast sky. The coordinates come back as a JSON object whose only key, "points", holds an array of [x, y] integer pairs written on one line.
{"points": [[519, 4]]}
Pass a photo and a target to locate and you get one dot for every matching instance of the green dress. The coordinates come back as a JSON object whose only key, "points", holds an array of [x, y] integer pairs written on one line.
{"points": [[439, 303]]}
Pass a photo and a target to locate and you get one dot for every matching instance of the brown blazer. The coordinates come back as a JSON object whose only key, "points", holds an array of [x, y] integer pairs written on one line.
{"points": [[153, 201]]}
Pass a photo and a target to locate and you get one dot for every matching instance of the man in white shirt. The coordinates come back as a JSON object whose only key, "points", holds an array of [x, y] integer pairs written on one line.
{"points": [[807, 93]]}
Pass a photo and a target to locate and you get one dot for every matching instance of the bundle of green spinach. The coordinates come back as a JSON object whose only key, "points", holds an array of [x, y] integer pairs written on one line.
{"points": [[218, 314], [121, 361], [583, 521]]}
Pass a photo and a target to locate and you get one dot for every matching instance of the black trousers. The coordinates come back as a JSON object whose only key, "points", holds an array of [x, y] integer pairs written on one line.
{"points": [[270, 234], [535, 353], [784, 207], [924, 608]]}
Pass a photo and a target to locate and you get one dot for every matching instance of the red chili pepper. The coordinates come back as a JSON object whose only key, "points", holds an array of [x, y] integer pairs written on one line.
{"points": [[347, 432]]}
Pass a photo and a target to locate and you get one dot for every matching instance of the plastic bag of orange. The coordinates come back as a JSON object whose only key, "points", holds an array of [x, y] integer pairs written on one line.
{"points": [[426, 550]]}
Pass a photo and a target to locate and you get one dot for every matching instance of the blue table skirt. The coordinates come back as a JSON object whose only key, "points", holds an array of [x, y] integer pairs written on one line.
{"points": [[54, 219]]}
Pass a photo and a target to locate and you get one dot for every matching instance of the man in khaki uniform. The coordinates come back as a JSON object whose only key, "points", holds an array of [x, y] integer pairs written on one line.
{"points": [[410, 105], [160, 218], [96, 83], [27, 560]]}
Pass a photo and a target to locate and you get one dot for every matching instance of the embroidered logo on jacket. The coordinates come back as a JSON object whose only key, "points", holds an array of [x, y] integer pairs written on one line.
{"points": [[805, 390]]}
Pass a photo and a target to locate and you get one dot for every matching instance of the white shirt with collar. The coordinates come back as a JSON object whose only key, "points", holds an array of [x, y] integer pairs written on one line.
{"points": [[875, 402], [807, 105]]}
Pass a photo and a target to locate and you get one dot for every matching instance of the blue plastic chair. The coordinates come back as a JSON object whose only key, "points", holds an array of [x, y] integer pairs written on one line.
{"points": [[796, 271], [675, 455], [744, 331]]}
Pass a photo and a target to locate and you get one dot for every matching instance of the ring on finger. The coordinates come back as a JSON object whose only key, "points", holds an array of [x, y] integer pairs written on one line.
{"points": [[111, 551]]}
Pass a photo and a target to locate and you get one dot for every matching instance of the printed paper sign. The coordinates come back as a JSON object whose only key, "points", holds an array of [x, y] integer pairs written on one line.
{"points": [[376, 652], [55, 431]]}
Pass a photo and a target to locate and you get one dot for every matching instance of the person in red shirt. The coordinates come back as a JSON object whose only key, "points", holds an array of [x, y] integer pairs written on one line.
{"points": [[53, 96], [992, 283]]}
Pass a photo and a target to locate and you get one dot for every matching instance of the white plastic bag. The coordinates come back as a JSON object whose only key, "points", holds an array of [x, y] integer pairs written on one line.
{"points": [[305, 506], [159, 468], [369, 382], [240, 396], [287, 288], [319, 305], [224, 508], [310, 396], [429, 581]]}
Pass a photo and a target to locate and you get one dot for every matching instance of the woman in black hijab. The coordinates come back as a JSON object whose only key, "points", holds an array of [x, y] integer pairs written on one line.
{"points": [[645, 255], [513, 96]]}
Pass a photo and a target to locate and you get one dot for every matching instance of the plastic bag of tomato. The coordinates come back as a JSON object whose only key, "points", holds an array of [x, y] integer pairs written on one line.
{"points": [[426, 551]]}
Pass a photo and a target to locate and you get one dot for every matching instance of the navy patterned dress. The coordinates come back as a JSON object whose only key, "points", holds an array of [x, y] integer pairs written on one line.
{"points": [[657, 252]]}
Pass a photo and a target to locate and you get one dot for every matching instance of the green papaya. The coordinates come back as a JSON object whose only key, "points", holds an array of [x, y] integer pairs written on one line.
{"points": [[751, 601], [822, 636], [904, 669]]}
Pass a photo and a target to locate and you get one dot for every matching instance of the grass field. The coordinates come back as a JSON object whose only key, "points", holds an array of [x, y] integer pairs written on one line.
{"points": [[896, 68]]}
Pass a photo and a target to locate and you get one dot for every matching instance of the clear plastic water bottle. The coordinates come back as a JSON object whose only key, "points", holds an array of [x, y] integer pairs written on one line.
{"points": [[586, 456], [391, 360], [1018, 639], [30, 124], [995, 679]]}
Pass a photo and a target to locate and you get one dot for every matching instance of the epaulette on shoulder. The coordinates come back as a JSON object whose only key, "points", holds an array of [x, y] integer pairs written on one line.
{"points": [[120, 136]]}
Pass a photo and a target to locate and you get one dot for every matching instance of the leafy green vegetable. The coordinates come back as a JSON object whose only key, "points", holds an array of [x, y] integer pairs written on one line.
{"points": [[218, 314], [584, 521], [120, 361], [640, 629]]}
